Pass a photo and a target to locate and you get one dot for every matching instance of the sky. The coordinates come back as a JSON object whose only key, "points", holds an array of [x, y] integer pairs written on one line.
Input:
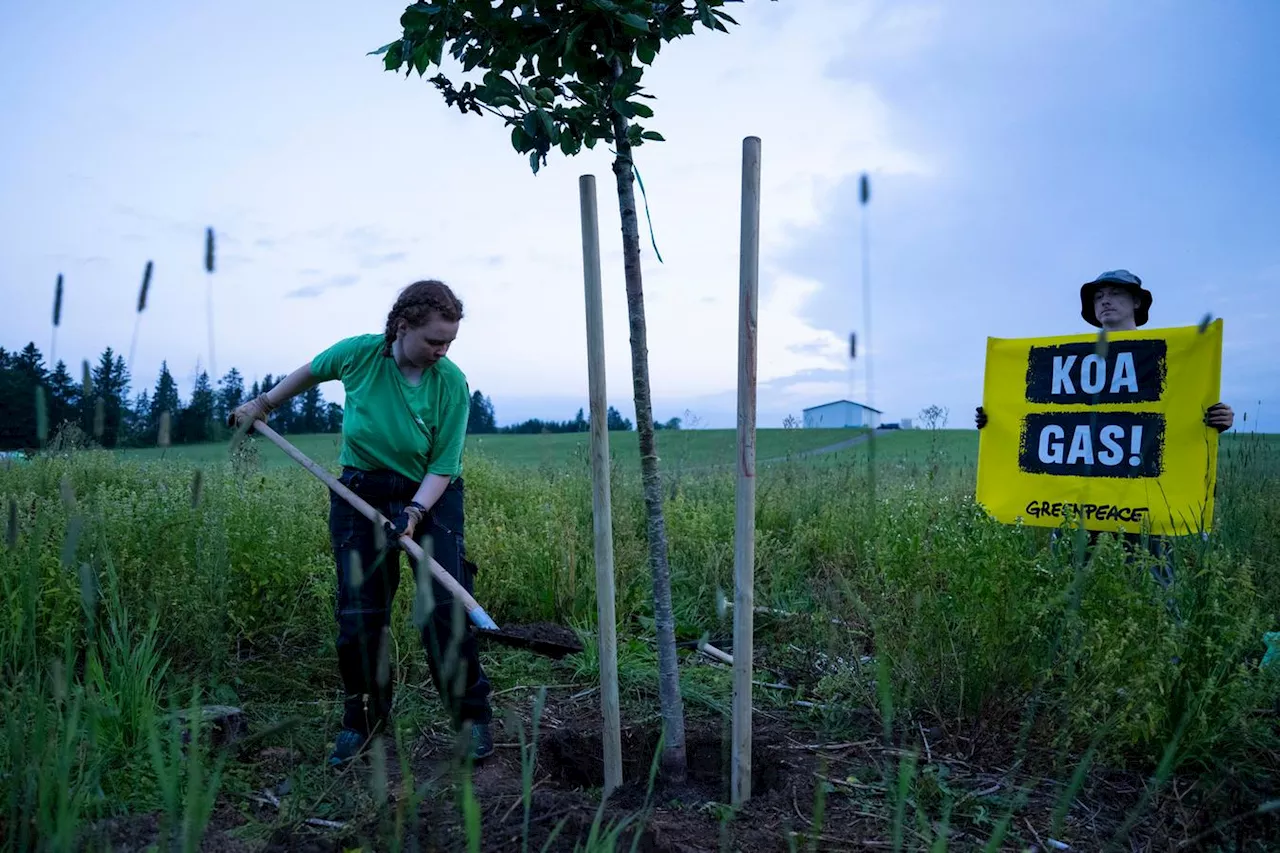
{"points": [[1014, 151]]}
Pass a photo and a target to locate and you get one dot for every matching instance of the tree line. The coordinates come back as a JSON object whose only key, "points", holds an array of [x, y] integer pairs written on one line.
{"points": [[39, 405], [482, 420]]}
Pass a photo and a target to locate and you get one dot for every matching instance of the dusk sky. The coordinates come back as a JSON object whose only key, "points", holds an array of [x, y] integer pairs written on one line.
{"points": [[1015, 150]]}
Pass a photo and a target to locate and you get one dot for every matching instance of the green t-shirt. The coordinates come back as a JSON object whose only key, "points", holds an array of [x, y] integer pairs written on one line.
{"points": [[390, 423]]}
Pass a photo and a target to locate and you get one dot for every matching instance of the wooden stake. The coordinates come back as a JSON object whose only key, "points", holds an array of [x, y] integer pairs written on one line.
{"points": [[745, 517], [600, 506]]}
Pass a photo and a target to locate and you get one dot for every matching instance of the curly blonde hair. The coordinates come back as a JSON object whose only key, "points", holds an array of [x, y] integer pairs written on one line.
{"points": [[415, 305]]}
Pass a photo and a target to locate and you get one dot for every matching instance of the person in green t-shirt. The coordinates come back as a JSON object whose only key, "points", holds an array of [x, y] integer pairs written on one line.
{"points": [[403, 428]]}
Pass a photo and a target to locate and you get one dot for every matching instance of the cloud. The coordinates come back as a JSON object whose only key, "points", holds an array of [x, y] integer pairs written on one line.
{"points": [[366, 237], [229, 262], [382, 260], [85, 260], [310, 291]]}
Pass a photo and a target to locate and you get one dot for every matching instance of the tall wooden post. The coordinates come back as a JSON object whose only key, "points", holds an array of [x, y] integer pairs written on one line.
{"points": [[600, 504], [744, 551]]}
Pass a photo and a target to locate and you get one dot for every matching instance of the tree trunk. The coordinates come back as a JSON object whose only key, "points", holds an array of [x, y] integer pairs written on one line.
{"points": [[673, 756]]}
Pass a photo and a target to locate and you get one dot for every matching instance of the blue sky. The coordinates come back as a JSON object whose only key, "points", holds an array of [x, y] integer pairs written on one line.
{"points": [[1015, 150]]}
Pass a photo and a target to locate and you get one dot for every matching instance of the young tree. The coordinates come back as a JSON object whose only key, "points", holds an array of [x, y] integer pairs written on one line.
{"points": [[481, 419], [137, 434], [310, 408], [62, 396], [615, 421], [20, 374], [333, 418], [165, 399], [197, 417], [567, 73], [110, 380], [230, 395]]}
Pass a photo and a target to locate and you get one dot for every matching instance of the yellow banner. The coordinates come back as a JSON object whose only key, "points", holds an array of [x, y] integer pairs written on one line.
{"points": [[1109, 432]]}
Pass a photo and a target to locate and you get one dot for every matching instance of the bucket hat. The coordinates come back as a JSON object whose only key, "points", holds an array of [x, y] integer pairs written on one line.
{"points": [[1120, 278]]}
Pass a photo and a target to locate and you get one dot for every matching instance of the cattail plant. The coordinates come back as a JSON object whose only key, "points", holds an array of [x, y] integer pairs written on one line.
{"points": [[208, 268], [142, 306], [57, 318], [42, 415]]}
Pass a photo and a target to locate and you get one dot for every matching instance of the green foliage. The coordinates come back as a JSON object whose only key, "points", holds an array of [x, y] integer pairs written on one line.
{"points": [[945, 617], [188, 786], [47, 773], [555, 71]]}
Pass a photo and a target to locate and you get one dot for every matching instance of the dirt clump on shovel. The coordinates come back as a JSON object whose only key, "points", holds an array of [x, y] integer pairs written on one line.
{"points": [[538, 635]]}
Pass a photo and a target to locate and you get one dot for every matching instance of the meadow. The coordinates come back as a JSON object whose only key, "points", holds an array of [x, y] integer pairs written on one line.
{"points": [[929, 679]]}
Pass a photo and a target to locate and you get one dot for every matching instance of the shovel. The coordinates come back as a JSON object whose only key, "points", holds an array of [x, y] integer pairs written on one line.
{"points": [[548, 640]]}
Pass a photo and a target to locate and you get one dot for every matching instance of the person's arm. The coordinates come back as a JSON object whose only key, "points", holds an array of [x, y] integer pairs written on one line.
{"points": [[261, 407], [430, 491], [298, 382], [406, 523]]}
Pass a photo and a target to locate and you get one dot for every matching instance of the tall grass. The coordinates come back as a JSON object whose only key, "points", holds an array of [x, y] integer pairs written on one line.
{"points": [[943, 614]]}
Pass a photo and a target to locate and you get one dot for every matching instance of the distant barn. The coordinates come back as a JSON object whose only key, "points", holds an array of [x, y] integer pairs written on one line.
{"points": [[841, 414]]}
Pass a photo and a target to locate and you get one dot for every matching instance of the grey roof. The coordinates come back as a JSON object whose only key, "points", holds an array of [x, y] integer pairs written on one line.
{"points": [[850, 402]]}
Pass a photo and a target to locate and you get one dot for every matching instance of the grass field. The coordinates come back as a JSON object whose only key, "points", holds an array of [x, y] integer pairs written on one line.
{"points": [[679, 448], [941, 682]]}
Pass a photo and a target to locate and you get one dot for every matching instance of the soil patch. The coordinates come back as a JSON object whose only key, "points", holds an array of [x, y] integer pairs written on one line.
{"points": [[142, 832], [542, 637], [573, 757], [807, 791]]}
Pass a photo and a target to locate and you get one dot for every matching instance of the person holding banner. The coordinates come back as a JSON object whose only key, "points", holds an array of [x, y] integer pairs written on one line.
{"points": [[1117, 302], [1092, 418]]}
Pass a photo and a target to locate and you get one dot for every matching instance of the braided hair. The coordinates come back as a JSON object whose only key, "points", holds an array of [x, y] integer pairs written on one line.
{"points": [[417, 303]]}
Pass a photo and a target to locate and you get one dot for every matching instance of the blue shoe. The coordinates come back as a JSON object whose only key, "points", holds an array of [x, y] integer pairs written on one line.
{"points": [[348, 745], [481, 741]]}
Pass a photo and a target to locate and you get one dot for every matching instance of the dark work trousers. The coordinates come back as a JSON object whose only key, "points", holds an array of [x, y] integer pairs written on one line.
{"points": [[367, 582]]}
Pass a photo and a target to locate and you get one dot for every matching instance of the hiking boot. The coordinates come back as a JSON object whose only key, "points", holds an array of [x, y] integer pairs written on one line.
{"points": [[481, 741], [348, 745]]}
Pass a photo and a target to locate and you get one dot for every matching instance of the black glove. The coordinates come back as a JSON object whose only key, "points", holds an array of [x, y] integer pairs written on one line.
{"points": [[405, 522], [980, 418]]}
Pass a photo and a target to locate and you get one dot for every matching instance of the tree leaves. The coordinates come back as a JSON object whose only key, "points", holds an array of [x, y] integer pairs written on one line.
{"points": [[647, 50], [635, 22], [548, 64]]}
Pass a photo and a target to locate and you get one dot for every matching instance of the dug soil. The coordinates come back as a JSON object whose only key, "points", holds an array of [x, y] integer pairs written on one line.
{"points": [[808, 793], [541, 637]]}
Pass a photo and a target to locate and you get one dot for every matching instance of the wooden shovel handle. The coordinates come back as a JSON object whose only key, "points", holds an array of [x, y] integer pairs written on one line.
{"points": [[474, 610]]}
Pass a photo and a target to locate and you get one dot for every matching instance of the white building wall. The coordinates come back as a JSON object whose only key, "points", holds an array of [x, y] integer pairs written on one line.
{"points": [[841, 415], [834, 416]]}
